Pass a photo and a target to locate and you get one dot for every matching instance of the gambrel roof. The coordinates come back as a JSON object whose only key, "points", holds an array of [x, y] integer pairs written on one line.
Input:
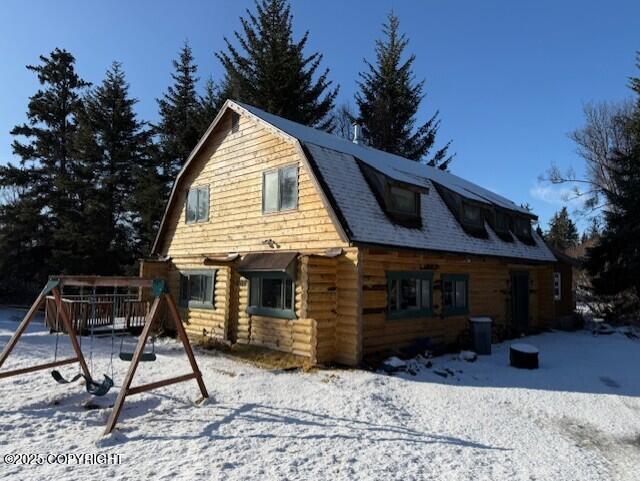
{"points": [[333, 162]]}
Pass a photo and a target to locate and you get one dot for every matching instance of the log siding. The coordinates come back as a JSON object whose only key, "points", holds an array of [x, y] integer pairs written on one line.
{"points": [[340, 303]]}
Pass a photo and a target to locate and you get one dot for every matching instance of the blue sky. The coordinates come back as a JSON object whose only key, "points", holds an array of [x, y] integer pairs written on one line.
{"points": [[509, 78]]}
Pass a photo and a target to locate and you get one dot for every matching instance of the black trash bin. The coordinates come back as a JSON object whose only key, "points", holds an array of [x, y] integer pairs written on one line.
{"points": [[481, 334]]}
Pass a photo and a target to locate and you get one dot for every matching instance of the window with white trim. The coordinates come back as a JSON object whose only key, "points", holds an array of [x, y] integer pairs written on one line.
{"points": [[280, 189], [557, 286], [197, 205]]}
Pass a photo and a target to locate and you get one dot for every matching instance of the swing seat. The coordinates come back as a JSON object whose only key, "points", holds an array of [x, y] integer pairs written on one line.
{"points": [[61, 380], [146, 356], [99, 388], [94, 388]]}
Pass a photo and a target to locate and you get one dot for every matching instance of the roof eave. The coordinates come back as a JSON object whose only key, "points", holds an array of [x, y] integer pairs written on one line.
{"points": [[193, 153], [518, 260]]}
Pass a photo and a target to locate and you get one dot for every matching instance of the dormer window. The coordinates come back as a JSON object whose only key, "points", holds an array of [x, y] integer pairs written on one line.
{"points": [[400, 201], [472, 215], [522, 230], [469, 214], [502, 222], [403, 201], [502, 225], [523, 227]]}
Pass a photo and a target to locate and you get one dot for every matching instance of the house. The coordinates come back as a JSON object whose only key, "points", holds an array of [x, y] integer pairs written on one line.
{"points": [[280, 235]]}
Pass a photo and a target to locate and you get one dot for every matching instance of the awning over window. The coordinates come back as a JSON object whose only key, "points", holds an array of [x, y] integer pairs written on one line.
{"points": [[283, 262]]}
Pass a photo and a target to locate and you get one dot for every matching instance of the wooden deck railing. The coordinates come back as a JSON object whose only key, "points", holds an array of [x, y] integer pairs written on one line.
{"points": [[119, 311]]}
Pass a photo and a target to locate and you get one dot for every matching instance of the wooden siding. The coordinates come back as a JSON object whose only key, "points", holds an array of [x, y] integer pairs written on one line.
{"points": [[566, 305], [288, 335], [340, 303], [199, 322], [546, 304], [348, 334], [152, 269], [550, 309], [232, 165], [489, 294], [205, 322], [319, 289]]}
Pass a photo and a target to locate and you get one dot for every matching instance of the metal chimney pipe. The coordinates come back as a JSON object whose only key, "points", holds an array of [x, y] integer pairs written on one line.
{"points": [[357, 133]]}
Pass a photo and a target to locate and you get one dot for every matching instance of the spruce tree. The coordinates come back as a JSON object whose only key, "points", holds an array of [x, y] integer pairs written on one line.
{"points": [[614, 262], [45, 178], [209, 104], [113, 146], [593, 231], [562, 232], [180, 125], [271, 71], [389, 99]]}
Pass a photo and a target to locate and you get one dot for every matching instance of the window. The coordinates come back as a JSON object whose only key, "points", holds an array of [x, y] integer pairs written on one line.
{"points": [[400, 201], [197, 205], [557, 286], [472, 215], [271, 294], [523, 227], [280, 189], [408, 294], [197, 289], [502, 222], [455, 294], [403, 201], [235, 122]]}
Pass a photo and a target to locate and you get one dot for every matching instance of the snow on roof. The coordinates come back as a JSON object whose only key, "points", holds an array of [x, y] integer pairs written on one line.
{"points": [[440, 230], [335, 160], [394, 166]]}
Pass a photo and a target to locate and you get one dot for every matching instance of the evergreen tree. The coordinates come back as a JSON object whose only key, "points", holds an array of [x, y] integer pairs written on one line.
{"points": [[270, 70], [593, 231], [145, 210], [114, 149], [562, 232], [45, 177], [180, 125], [614, 262], [389, 99], [209, 104]]}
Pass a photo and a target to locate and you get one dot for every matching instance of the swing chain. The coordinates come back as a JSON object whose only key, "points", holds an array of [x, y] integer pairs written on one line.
{"points": [[113, 331], [92, 322]]}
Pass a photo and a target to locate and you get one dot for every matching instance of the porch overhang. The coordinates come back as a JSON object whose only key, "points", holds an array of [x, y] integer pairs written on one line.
{"points": [[282, 262]]}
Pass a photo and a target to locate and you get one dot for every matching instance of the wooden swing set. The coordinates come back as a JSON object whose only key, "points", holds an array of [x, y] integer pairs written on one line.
{"points": [[53, 290]]}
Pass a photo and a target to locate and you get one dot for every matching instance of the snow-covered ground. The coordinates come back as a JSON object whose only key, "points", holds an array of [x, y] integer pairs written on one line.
{"points": [[576, 418]]}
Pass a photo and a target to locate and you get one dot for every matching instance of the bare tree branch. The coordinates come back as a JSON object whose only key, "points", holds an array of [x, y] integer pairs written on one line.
{"points": [[603, 135]]}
